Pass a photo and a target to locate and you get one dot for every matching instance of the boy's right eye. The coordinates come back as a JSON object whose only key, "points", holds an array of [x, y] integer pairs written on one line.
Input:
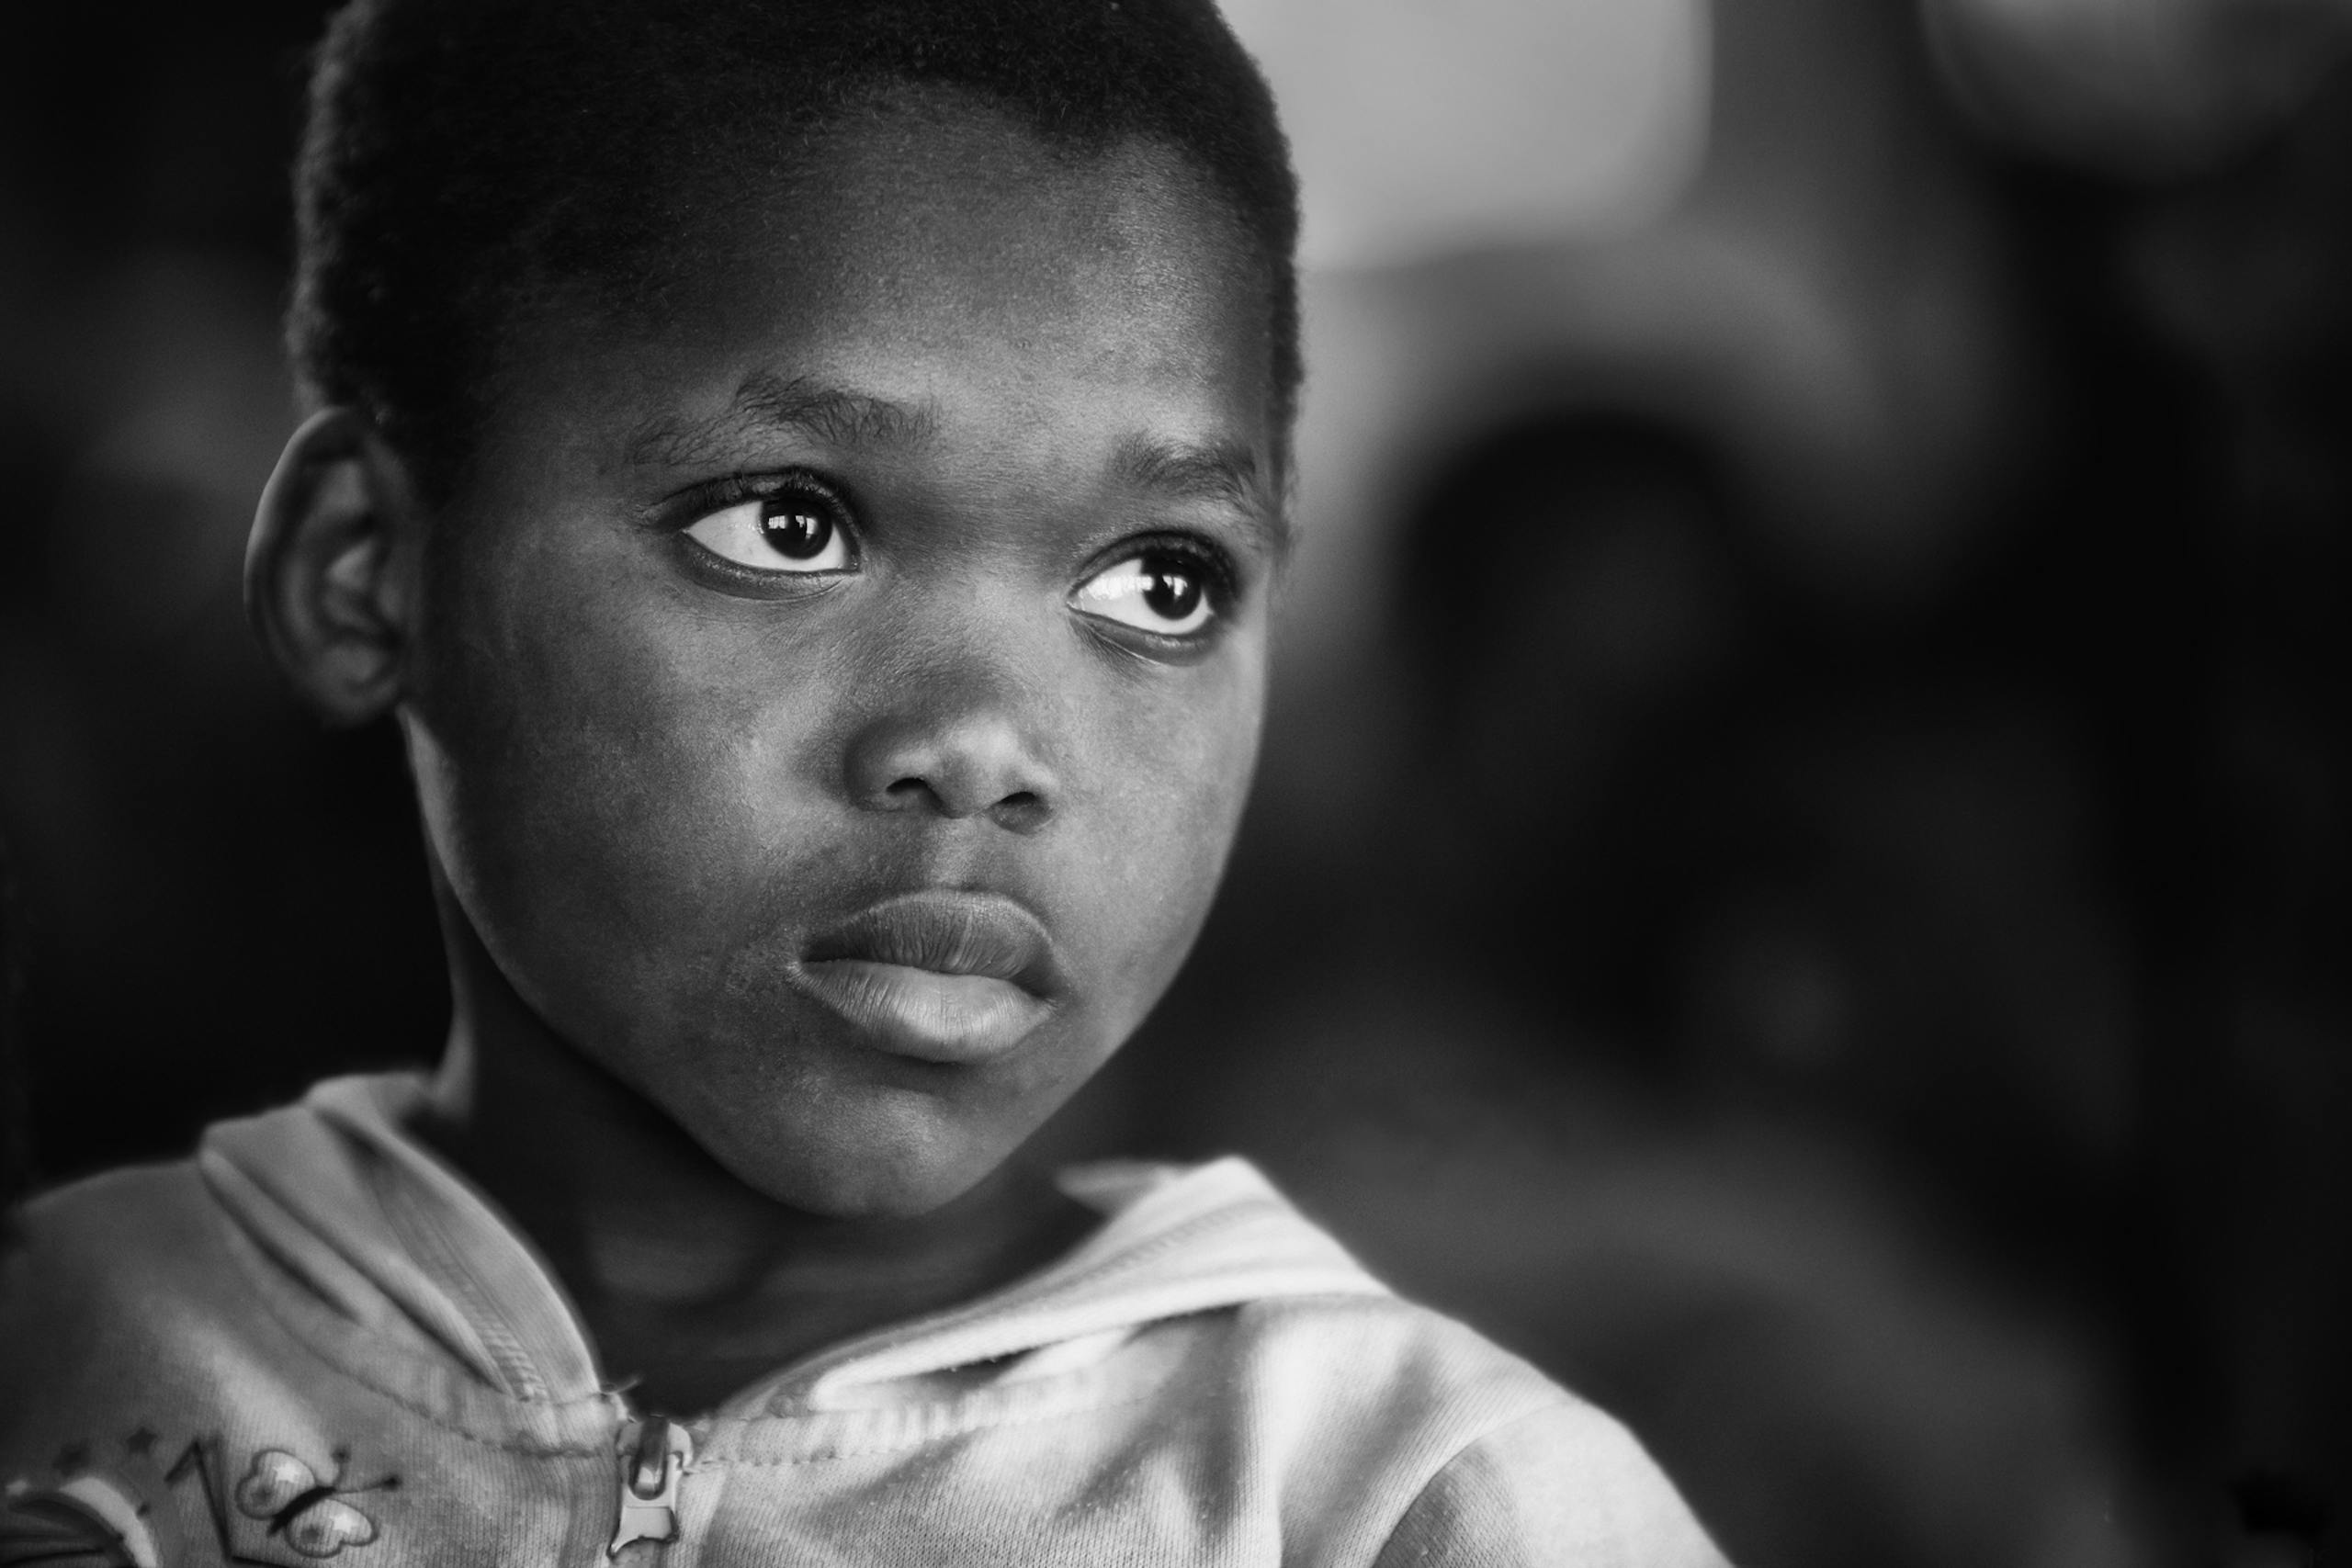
{"points": [[798, 529]]}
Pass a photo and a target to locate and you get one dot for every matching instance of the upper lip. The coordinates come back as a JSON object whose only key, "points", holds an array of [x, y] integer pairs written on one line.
{"points": [[948, 931]]}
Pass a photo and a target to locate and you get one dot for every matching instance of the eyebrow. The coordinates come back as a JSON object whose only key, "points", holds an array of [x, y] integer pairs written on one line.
{"points": [[768, 402], [1219, 471], [1216, 471]]}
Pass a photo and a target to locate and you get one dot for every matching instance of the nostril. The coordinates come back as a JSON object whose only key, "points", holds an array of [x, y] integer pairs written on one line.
{"points": [[911, 794], [953, 767], [1022, 811]]}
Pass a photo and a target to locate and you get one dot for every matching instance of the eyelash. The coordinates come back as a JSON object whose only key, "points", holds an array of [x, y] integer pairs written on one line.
{"points": [[1218, 572], [733, 490], [681, 512]]}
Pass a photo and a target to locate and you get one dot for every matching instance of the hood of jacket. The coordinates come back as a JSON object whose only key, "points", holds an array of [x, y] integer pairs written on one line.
{"points": [[359, 1216]]}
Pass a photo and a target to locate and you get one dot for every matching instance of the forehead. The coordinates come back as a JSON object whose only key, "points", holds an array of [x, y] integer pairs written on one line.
{"points": [[927, 257], [952, 209]]}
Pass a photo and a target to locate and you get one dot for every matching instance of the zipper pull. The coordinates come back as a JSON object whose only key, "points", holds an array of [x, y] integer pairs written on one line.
{"points": [[652, 1454]]}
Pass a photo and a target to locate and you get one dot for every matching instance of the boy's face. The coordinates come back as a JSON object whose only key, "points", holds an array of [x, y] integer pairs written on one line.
{"points": [[833, 708]]}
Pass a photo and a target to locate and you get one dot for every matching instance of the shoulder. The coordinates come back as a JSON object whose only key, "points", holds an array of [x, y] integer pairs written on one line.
{"points": [[91, 1242], [1381, 1356], [1563, 1484], [1442, 1447], [100, 1280]]}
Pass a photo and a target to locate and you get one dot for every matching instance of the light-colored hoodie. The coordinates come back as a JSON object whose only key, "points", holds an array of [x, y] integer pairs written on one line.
{"points": [[315, 1340]]}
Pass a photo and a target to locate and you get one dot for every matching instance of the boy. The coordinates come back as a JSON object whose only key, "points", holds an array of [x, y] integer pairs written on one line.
{"points": [[808, 479]]}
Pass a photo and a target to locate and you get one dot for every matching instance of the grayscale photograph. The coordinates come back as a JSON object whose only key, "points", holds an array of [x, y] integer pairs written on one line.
{"points": [[1176, 784]]}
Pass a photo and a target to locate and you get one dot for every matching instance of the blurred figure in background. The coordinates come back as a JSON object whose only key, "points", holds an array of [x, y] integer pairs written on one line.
{"points": [[2188, 168], [1800, 874]]}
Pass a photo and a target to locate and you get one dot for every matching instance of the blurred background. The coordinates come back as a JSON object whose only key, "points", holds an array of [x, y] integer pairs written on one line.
{"points": [[1800, 877]]}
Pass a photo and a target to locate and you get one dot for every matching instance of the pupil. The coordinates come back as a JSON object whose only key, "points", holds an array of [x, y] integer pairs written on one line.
{"points": [[796, 532], [1174, 592]]}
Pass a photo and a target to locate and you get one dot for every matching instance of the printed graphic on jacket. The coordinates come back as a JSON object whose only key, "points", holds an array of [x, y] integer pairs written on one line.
{"points": [[112, 1514]]}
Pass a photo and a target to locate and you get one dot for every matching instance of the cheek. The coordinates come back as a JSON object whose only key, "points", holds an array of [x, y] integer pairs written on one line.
{"points": [[600, 767], [1176, 782]]}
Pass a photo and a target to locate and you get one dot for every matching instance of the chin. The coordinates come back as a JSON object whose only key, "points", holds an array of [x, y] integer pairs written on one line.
{"points": [[898, 1158]]}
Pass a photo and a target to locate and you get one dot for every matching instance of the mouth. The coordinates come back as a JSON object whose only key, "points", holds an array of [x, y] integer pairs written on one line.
{"points": [[939, 977]]}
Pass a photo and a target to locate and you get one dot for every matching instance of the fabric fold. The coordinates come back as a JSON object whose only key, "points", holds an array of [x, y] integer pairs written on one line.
{"points": [[378, 1226]]}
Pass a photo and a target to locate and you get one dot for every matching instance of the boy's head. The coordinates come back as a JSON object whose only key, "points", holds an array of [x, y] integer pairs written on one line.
{"points": [[474, 170], [808, 477]]}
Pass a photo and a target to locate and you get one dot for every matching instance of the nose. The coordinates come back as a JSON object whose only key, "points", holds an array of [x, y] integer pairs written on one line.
{"points": [[954, 750]]}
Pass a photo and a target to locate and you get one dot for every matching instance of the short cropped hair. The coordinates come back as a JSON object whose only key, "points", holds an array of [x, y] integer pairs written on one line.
{"points": [[467, 162]]}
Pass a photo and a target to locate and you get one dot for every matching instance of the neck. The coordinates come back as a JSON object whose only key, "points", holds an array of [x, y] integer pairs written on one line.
{"points": [[690, 1283]]}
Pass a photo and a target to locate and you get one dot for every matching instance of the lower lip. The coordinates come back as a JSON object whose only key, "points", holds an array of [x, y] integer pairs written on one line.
{"points": [[921, 1013]]}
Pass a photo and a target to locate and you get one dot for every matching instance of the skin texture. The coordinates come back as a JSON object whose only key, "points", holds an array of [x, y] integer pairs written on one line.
{"points": [[650, 783]]}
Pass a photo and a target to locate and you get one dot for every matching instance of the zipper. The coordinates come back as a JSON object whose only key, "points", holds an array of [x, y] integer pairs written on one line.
{"points": [[651, 1456]]}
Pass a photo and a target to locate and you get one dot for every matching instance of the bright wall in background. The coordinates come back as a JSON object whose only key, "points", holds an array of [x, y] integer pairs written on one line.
{"points": [[1422, 126]]}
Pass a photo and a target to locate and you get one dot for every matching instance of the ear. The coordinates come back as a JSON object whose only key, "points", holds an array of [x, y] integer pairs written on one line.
{"points": [[330, 573]]}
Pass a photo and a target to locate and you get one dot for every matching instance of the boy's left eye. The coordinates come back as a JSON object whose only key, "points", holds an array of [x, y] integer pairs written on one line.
{"points": [[1164, 591], [800, 531]]}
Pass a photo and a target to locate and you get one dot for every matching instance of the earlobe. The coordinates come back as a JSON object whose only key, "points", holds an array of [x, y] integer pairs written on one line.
{"points": [[328, 571]]}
